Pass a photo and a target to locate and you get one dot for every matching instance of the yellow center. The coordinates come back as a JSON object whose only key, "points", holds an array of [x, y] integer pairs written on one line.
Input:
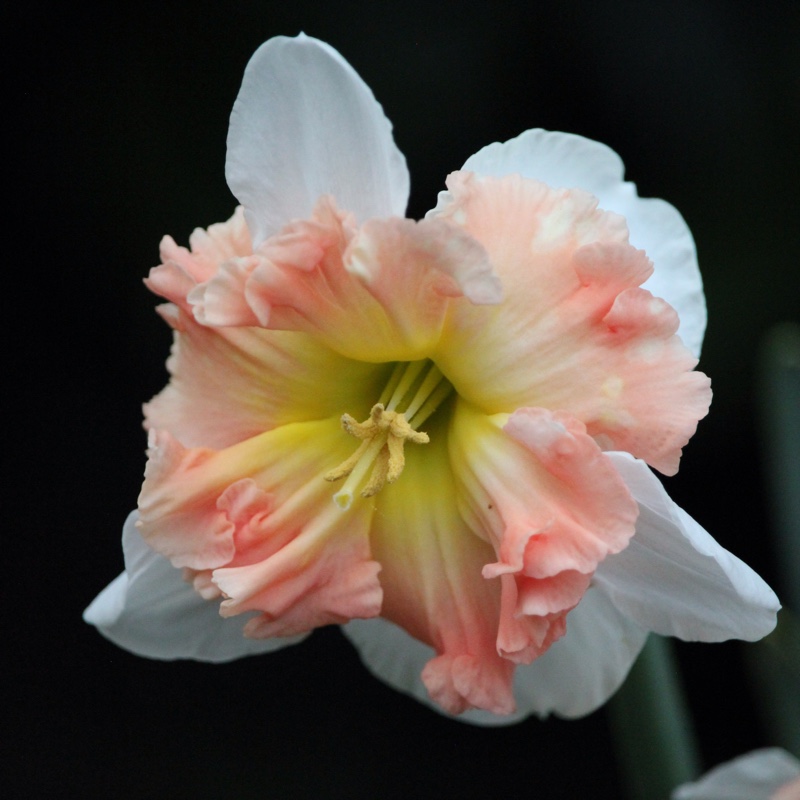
{"points": [[418, 388]]}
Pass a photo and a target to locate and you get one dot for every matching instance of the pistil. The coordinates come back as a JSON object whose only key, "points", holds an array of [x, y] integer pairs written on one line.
{"points": [[418, 388]]}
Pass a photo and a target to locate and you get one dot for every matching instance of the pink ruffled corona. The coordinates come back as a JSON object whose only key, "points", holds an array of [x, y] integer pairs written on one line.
{"points": [[441, 426]]}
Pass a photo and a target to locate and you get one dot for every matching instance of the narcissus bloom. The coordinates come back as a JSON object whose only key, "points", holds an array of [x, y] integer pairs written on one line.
{"points": [[767, 774], [436, 433]]}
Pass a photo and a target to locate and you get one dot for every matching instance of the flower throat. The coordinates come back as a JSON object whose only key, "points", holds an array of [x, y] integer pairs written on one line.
{"points": [[414, 391]]}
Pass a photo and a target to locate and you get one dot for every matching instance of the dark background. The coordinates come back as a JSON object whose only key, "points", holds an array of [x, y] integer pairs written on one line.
{"points": [[118, 121]]}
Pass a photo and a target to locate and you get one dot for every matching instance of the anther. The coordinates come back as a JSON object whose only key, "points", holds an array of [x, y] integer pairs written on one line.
{"points": [[384, 433]]}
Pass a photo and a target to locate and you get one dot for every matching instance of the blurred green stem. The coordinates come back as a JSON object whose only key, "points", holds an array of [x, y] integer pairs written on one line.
{"points": [[653, 735], [774, 665], [779, 392], [774, 662]]}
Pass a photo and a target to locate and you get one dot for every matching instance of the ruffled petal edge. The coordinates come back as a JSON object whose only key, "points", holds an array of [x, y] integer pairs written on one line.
{"points": [[151, 611]]}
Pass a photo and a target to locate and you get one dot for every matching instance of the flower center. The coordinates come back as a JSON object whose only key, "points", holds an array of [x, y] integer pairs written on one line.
{"points": [[414, 391]]}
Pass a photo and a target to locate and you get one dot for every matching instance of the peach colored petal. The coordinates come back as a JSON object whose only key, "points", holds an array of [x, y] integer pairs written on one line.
{"points": [[324, 575], [398, 257], [191, 497], [433, 587], [551, 504], [222, 241], [179, 514], [230, 384], [172, 281], [566, 161], [379, 293], [576, 333], [225, 247], [294, 286], [220, 301], [262, 510], [526, 633]]}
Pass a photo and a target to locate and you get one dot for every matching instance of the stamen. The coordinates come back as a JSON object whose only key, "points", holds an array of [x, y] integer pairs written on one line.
{"points": [[394, 380], [384, 433], [424, 392], [413, 369], [441, 392], [355, 468]]}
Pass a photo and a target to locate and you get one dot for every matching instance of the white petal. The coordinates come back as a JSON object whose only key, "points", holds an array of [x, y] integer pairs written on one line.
{"points": [[576, 676], [755, 776], [567, 161], [152, 612], [584, 668], [305, 124], [675, 579]]}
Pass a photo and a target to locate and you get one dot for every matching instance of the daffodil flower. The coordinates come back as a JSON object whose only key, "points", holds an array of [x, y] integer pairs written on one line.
{"points": [[436, 433], [767, 774]]}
